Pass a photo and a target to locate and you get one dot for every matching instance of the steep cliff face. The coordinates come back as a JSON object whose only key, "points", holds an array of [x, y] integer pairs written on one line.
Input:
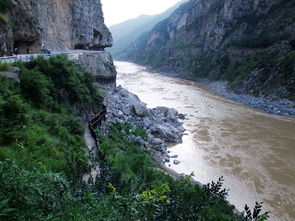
{"points": [[58, 24], [216, 38], [89, 30]]}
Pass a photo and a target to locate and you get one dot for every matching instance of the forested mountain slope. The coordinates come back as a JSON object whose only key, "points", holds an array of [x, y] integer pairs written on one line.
{"points": [[249, 43]]}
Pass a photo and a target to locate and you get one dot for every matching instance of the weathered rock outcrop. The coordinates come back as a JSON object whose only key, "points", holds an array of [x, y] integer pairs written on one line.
{"points": [[216, 38], [89, 30], [58, 24], [6, 39], [12, 74], [100, 65]]}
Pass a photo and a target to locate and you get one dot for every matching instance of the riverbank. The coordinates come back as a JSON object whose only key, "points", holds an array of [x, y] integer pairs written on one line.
{"points": [[272, 105]]}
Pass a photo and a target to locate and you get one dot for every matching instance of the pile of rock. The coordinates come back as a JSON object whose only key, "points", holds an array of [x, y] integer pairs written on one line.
{"points": [[161, 123]]}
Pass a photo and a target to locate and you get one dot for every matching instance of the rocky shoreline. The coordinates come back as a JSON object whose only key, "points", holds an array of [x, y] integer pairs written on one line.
{"points": [[161, 123], [272, 105]]}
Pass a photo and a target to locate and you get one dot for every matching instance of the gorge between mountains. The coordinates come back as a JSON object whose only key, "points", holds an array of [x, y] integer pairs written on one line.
{"points": [[201, 91]]}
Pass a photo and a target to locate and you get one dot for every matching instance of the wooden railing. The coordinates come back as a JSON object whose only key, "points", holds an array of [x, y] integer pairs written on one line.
{"points": [[97, 121]]}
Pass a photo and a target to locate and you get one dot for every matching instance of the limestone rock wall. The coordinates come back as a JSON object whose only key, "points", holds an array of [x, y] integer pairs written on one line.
{"points": [[5, 39], [55, 20], [58, 24], [89, 30]]}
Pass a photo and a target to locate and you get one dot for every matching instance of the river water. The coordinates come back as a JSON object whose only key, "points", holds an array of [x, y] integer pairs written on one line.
{"points": [[254, 151]]}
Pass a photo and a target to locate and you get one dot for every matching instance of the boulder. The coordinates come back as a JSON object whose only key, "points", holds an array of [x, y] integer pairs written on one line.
{"points": [[139, 109], [157, 141], [166, 158], [176, 162], [161, 110], [165, 131], [11, 74], [181, 116], [120, 114], [172, 114], [146, 122]]}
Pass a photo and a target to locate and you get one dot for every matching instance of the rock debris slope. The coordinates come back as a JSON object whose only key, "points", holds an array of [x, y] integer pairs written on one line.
{"points": [[161, 123]]}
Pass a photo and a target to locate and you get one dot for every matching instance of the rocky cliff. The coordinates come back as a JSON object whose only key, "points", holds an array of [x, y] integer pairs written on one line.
{"points": [[100, 65], [249, 43], [58, 24]]}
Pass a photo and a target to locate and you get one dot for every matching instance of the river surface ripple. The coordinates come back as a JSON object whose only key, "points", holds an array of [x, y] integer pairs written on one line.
{"points": [[254, 151]]}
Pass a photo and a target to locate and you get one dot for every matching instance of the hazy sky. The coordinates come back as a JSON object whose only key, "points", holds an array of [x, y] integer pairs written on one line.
{"points": [[117, 11]]}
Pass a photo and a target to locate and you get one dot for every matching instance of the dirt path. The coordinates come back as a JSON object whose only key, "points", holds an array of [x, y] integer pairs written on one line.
{"points": [[92, 154]]}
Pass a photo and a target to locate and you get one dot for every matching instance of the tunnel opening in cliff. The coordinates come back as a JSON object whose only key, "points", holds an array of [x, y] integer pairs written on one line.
{"points": [[81, 47], [27, 47]]}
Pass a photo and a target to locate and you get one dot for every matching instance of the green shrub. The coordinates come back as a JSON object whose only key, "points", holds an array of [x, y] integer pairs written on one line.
{"points": [[37, 88], [33, 195], [71, 85], [14, 113], [3, 18], [4, 66]]}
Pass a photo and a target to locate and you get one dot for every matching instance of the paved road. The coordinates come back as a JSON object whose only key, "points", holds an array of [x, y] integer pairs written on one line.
{"points": [[73, 54]]}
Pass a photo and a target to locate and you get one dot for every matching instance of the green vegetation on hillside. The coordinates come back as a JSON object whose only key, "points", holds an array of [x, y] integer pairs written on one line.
{"points": [[274, 67], [38, 126], [42, 158]]}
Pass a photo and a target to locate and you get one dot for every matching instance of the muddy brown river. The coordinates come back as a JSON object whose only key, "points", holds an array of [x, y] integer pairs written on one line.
{"points": [[254, 151]]}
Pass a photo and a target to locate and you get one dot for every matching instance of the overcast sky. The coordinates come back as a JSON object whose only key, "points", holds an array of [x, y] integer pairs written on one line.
{"points": [[117, 11]]}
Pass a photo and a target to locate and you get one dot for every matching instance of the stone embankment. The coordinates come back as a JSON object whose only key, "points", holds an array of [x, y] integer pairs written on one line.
{"points": [[161, 123]]}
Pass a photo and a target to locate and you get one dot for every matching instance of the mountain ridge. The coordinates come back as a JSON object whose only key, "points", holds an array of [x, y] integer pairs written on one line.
{"points": [[126, 32], [226, 40]]}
